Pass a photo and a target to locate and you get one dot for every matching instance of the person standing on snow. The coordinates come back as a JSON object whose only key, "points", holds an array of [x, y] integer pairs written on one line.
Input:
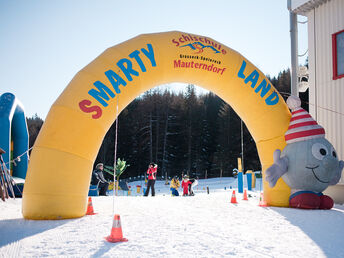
{"points": [[99, 179], [192, 184], [185, 185], [152, 170]]}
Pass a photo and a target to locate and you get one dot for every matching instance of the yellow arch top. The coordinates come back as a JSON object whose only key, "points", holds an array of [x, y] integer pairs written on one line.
{"points": [[79, 119]]}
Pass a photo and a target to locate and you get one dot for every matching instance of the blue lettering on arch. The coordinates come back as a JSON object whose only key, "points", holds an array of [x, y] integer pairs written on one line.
{"points": [[136, 56], [149, 54], [253, 78], [241, 70], [115, 80], [263, 87], [272, 99], [102, 93], [127, 69]]}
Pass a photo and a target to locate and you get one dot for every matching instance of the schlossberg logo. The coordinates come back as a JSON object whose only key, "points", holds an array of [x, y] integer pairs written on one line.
{"points": [[198, 44]]}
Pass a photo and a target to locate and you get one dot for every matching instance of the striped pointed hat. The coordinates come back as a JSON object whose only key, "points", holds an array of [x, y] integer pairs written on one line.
{"points": [[302, 126]]}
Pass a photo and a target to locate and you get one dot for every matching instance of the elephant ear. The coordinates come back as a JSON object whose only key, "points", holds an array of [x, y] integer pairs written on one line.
{"points": [[276, 170], [338, 174]]}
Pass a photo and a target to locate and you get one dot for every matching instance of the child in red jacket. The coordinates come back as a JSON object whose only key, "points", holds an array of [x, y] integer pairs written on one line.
{"points": [[185, 185]]}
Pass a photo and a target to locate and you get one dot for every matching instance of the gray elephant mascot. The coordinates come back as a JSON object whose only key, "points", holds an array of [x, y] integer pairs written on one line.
{"points": [[308, 163]]}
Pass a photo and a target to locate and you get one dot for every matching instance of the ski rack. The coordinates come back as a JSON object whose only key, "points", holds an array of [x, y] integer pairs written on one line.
{"points": [[6, 181]]}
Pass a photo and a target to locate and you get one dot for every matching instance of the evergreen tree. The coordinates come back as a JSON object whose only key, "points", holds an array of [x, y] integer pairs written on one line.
{"points": [[34, 125]]}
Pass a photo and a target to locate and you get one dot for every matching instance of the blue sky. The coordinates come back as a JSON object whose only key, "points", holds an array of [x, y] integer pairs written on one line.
{"points": [[43, 44]]}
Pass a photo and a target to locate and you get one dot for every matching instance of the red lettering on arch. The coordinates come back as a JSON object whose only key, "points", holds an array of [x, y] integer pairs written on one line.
{"points": [[84, 105]]}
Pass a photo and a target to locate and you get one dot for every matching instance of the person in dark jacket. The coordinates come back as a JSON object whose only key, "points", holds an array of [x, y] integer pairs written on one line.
{"points": [[152, 170], [99, 179]]}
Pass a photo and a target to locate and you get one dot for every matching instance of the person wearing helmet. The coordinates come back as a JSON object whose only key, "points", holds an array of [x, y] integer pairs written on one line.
{"points": [[152, 171]]}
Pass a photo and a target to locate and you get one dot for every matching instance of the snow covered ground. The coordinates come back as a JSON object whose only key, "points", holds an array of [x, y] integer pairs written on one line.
{"points": [[205, 225]]}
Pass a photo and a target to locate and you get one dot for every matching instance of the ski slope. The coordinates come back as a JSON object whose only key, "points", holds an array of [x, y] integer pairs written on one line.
{"points": [[204, 225]]}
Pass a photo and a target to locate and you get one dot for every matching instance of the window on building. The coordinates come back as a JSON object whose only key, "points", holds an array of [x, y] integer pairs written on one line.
{"points": [[338, 54]]}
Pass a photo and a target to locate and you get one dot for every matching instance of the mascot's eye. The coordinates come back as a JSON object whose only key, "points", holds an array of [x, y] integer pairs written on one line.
{"points": [[319, 151], [334, 154]]}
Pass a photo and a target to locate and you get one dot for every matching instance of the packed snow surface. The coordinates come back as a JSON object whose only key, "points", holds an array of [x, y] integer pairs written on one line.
{"points": [[204, 225]]}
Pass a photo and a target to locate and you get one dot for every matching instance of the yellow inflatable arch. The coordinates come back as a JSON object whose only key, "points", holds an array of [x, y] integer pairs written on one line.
{"points": [[79, 119]]}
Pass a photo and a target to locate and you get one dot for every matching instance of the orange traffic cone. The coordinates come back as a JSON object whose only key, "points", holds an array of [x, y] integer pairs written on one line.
{"points": [[90, 210], [116, 231], [233, 199], [262, 203], [245, 195]]}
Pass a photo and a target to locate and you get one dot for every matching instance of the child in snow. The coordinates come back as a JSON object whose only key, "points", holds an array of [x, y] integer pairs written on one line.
{"points": [[185, 185], [174, 186]]}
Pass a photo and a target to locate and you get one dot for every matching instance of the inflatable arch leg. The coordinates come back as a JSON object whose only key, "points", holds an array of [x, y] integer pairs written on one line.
{"points": [[79, 119], [13, 125]]}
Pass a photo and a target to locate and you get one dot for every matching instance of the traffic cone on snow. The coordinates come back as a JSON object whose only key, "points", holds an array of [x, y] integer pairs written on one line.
{"points": [[90, 210], [245, 195], [233, 199], [262, 203], [116, 231]]}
